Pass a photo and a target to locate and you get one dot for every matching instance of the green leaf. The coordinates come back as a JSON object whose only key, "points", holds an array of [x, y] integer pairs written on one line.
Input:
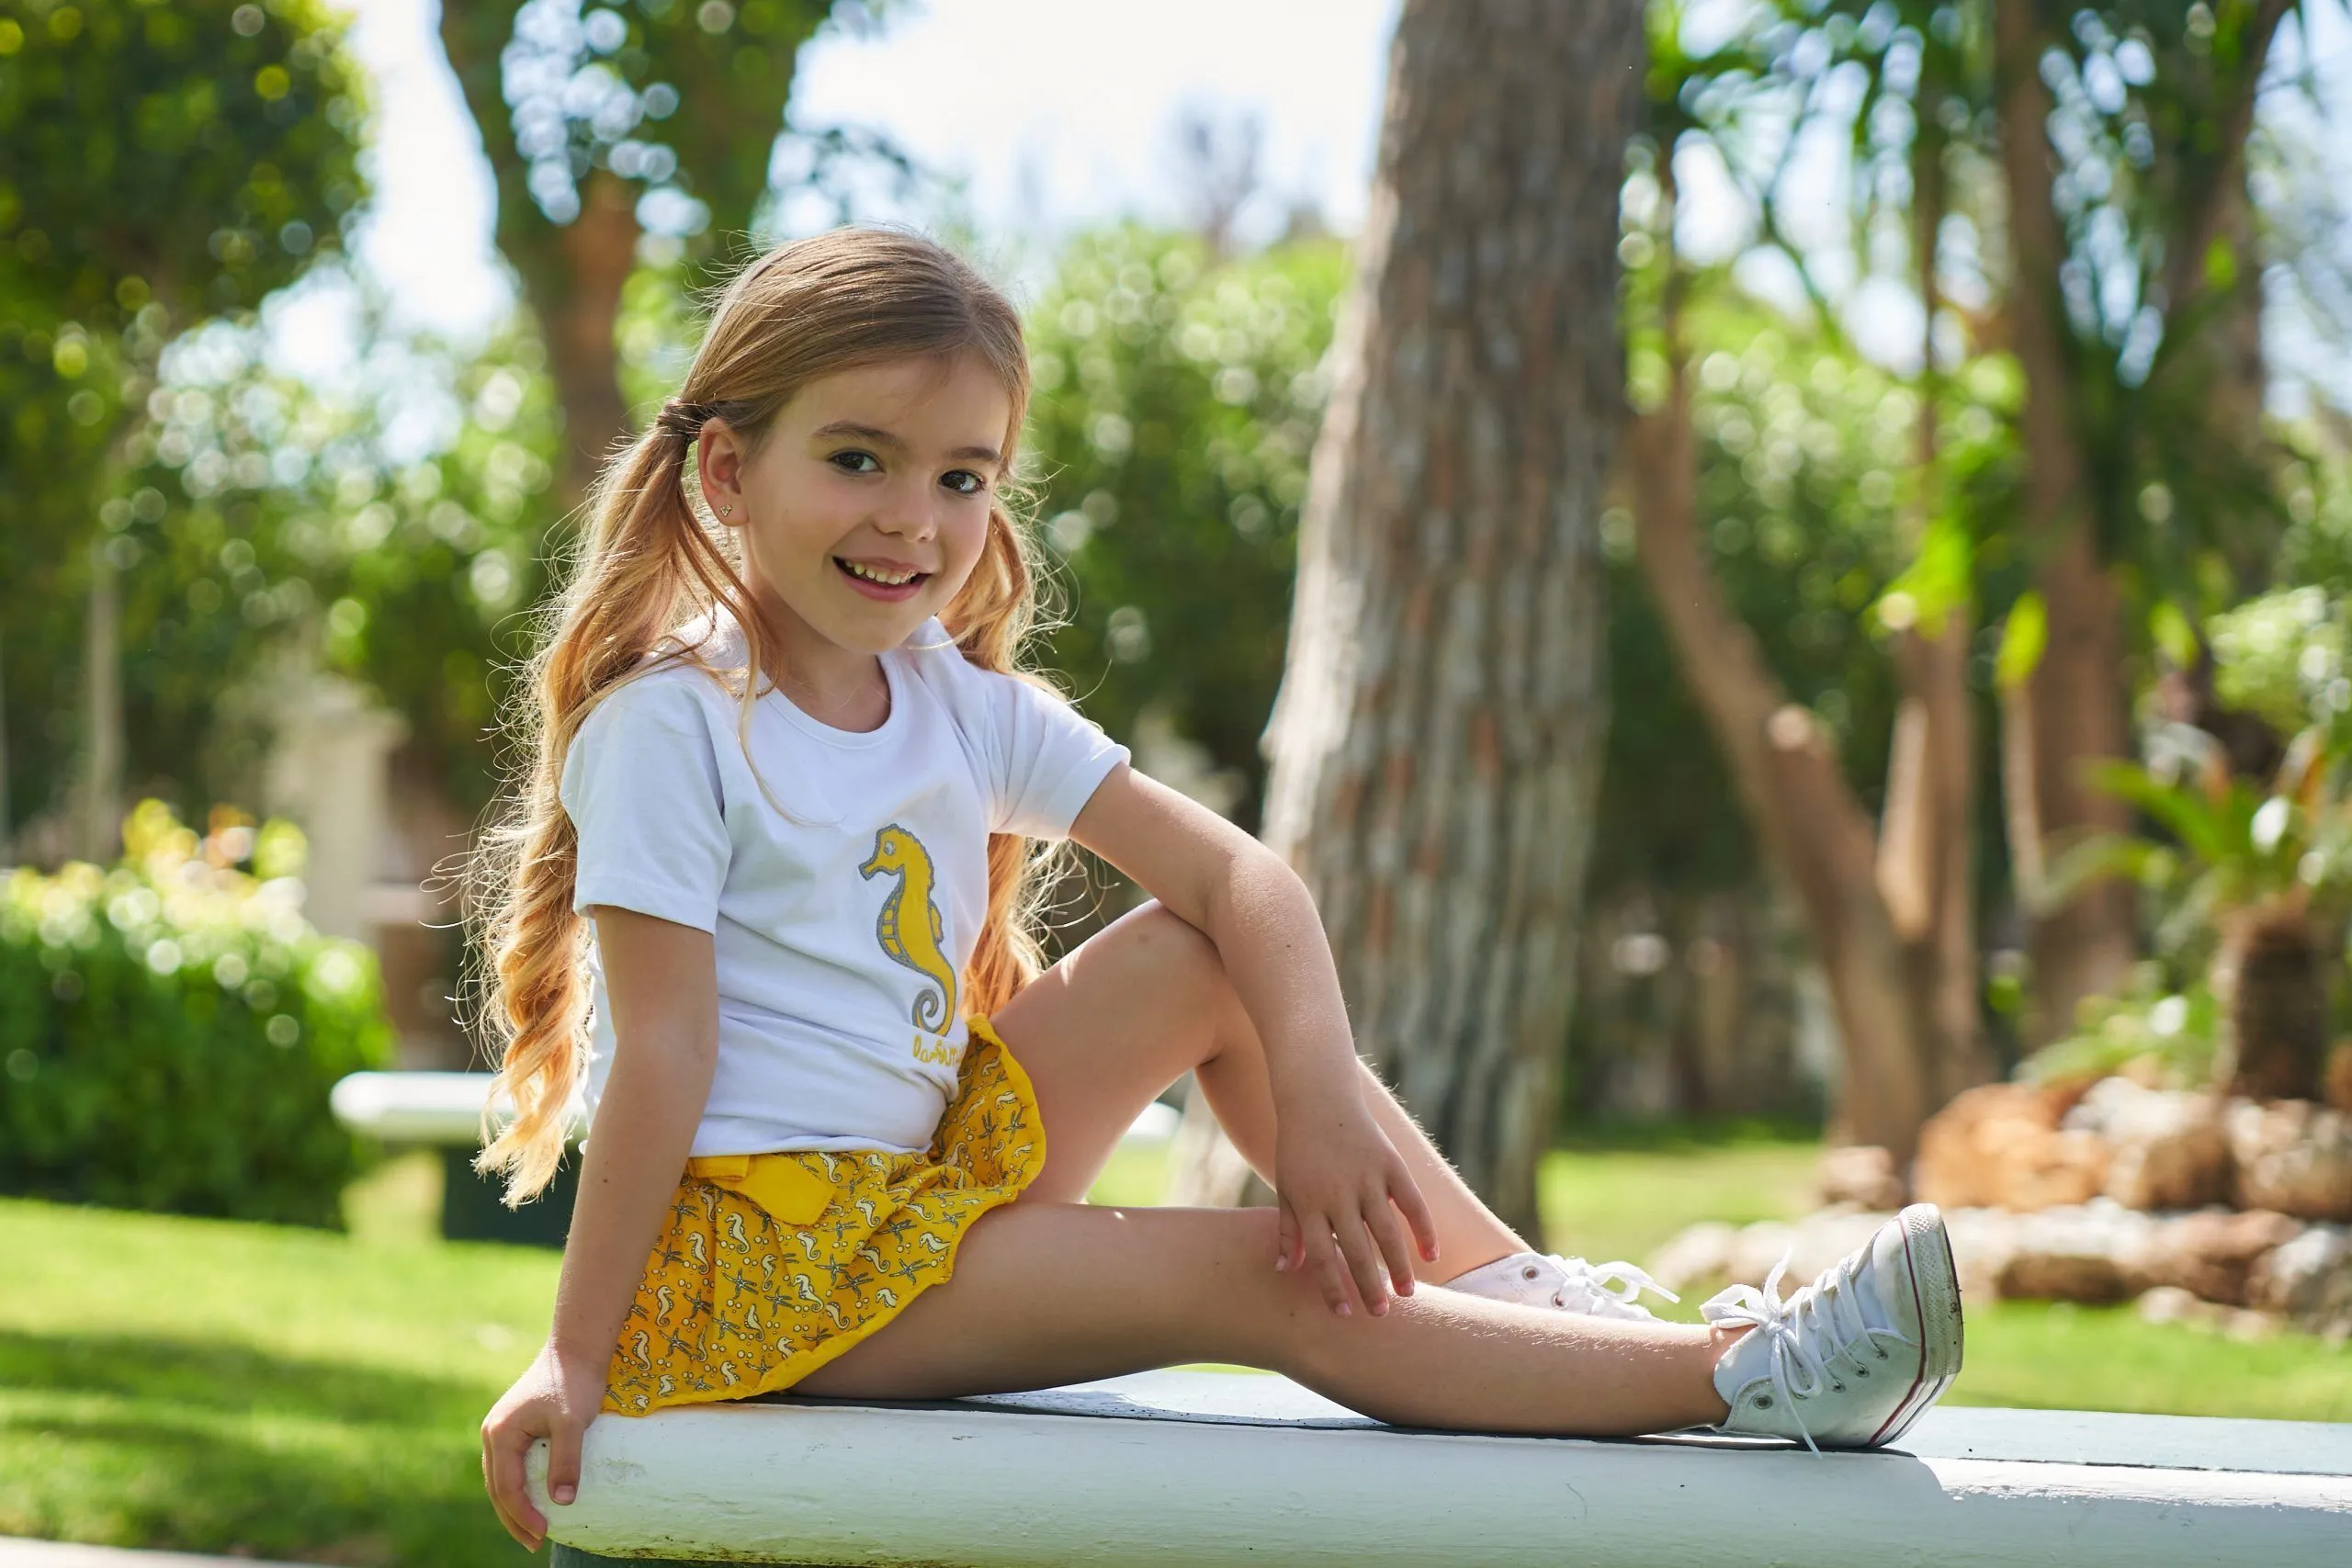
{"points": [[2023, 636]]}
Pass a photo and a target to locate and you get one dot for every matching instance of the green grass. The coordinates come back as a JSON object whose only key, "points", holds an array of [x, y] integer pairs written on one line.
{"points": [[247, 1389]]}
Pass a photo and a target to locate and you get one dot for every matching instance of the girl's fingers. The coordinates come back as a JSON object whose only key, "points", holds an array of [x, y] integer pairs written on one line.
{"points": [[1285, 1237], [1363, 1262], [1405, 1193], [563, 1461], [524, 1522], [1323, 1258], [1388, 1230]]}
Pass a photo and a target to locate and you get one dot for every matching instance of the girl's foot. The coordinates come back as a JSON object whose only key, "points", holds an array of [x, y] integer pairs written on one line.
{"points": [[1568, 1284], [1853, 1358]]}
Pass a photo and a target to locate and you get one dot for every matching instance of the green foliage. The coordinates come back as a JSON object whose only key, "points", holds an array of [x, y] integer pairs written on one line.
{"points": [[170, 1029], [1177, 399], [263, 517], [1806, 496], [2285, 658], [160, 164], [2160, 1022]]}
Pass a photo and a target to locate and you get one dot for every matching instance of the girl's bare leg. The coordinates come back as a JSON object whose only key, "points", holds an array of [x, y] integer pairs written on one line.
{"points": [[1047, 1293], [1147, 1000]]}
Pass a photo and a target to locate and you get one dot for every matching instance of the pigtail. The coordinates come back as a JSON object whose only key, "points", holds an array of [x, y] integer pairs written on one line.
{"points": [[988, 621], [646, 561]]}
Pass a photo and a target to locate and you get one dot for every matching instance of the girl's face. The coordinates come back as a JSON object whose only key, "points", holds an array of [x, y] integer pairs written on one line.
{"points": [[866, 508]]}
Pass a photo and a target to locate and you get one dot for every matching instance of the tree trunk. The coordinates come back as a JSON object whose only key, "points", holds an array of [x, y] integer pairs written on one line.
{"points": [[2070, 710], [1436, 746], [98, 830], [1891, 910], [571, 275], [1790, 783]]}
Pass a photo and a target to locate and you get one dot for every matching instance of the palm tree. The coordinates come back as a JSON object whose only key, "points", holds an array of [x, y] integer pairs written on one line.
{"points": [[2252, 880]]}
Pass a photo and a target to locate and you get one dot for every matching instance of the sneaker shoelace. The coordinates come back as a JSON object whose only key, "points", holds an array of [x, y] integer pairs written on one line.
{"points": [[1588, 1284], [1801, 1332]]}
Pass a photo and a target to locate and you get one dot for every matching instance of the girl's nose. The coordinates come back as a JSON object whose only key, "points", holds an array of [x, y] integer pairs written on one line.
{"points": [[907, 517]]}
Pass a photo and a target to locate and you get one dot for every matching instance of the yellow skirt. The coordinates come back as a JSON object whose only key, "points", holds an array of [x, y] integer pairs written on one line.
{"points": [[771, 1265]]}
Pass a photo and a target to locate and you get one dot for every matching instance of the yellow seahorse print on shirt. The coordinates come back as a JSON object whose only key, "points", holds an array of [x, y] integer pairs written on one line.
{"points": [[910, 928]]}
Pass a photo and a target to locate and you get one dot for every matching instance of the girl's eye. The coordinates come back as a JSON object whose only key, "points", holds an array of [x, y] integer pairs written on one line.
{"points": [[963, 481], [848, 462]]}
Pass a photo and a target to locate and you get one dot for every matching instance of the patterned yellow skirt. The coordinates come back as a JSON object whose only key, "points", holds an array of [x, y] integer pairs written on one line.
{"points": [[771, 1265]]}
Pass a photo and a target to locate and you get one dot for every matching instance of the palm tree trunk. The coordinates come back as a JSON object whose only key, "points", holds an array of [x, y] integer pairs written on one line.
{"points": [[1437, 741]]}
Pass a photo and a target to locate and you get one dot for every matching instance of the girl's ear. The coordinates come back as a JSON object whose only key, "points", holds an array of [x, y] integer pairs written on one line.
{"points": [[720, 458]]}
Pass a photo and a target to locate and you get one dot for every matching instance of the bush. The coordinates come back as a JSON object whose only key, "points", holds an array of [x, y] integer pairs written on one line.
{"points": [[170, 1029]]}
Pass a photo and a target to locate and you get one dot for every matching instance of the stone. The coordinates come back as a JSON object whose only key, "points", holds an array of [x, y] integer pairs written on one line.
{"points": [[2085, 1252], [2211, 1253], [2166, 1149], [2000, 1146], [2309, 1279], [2291, 1155], [1864, 1174], [2170, 1303], [1695, 1254]]}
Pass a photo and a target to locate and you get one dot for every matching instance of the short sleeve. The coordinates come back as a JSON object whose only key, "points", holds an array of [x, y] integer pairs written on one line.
{"points": [[1049, 760], [641, 785]]}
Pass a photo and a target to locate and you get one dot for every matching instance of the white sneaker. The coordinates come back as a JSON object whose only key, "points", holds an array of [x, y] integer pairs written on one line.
{"points": [[1569, 1284], [1854, 1358]]}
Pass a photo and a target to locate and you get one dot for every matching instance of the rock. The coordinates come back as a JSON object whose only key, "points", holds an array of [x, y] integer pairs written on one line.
{"points": [[2166, 1148], [2085, 1252], [2000, 1146], [1860, 1174], [2291, 1155], [2170, 1303], [1811, 1244], [1697, 1254], [2211, 1254], [2309, 1279]]}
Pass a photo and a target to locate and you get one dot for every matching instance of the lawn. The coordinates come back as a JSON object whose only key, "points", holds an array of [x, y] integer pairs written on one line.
{"points": [[247, 1389]]}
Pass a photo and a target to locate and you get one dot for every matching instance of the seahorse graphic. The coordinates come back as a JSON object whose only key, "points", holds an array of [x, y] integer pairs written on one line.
{"points": [[910, 928]]}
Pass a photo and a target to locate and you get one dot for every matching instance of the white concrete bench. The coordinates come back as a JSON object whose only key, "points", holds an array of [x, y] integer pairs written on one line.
{"points": [[1201, 1469]]}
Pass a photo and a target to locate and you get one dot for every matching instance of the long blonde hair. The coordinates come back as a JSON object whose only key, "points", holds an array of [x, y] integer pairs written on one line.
{"points": [[650, 566]]}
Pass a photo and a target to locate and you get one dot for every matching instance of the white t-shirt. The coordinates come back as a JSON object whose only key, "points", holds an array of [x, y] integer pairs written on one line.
{"points": [[842, 929]]}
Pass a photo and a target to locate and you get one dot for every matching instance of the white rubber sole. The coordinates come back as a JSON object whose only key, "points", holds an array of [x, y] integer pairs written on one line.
{"points": [[1934, 1285]]}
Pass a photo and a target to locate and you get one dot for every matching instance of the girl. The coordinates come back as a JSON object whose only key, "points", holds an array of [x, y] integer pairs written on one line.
{"points": [[787, 771]]}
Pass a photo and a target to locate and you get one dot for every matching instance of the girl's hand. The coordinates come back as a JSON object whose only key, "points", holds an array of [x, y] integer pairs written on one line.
{"points": [[1342, 1186], [555, 1398]]}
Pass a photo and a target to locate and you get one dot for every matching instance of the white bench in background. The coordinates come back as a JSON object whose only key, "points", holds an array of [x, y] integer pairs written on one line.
{"points": [[443, 1111], [1200, 1470]]}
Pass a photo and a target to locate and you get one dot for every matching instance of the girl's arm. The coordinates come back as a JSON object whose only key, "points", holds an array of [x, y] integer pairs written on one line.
{"points": [[661, 981], [1341, 1181]]}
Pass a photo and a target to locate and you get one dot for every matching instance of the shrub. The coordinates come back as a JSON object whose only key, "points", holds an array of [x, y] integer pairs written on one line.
{"points": [[170, 1029]]}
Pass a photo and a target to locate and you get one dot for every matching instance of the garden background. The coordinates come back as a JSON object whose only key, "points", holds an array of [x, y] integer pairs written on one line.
{"points": [[1841, 616]]}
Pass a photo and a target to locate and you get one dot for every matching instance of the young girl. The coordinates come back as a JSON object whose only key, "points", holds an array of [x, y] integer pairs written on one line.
{"points": [[842, 1129]]}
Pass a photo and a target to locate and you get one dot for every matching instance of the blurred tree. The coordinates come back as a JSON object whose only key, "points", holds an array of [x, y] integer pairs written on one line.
{"points": [[1176, 401], [1436, 744], [578, 111], [159, 164], [2130, 116], [1890, 905], [2150, 113]]}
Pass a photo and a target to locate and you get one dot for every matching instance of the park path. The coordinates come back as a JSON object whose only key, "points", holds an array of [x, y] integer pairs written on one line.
{"points": [[17, 1553]]}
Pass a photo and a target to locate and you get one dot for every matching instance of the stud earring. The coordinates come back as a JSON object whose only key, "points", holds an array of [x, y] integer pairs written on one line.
{"points": [[725, 511]]}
